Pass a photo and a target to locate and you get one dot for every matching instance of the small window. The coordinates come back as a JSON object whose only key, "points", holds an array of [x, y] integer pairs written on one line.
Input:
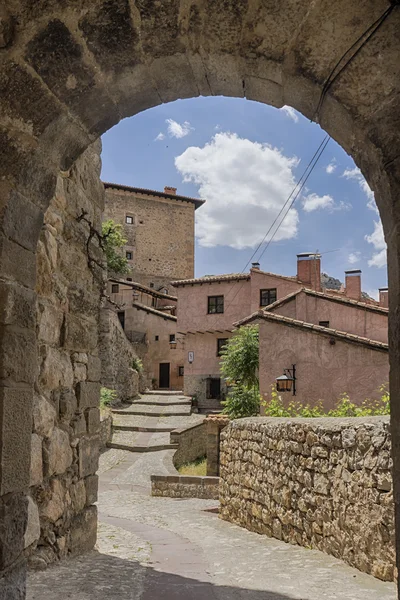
{"points": [[221, 343], [181, 371], [151, 285], [129, 255], [129, 220], [129, 278], [267, 297], [215, 304], [324, 323], [115, 288], [172, 337], [157, 338]]}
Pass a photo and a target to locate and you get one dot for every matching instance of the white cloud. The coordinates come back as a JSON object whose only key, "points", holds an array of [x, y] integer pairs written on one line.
{"points": [[354, 257], [290, 112], [313, 202], [178, 130], [245, 185], [374, 293], [378, 241], [331, 168], [357, 176], [160, 137], [376, 238]]}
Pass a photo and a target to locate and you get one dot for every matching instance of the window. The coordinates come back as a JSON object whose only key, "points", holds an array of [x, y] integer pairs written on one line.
{"points": [[213, 388], [157, 338], [215, 304], [129, 278], [221, 343], [129, 220], [129, 255], [121, 317], [267, 297], [115, 288], [181, 371], [152, 285], [324, 323], [172, 337]]}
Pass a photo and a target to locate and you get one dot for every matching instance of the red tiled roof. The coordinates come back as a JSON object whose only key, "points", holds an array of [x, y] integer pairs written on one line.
{"points": [[136, 190], [154, 311]]}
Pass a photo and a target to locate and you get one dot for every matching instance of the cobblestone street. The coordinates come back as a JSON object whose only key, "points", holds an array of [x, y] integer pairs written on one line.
{"points": [[160, 548]]}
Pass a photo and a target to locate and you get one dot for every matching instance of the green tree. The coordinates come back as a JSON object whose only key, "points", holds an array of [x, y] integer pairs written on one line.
{"points": [[239, 366], [113, 242]]}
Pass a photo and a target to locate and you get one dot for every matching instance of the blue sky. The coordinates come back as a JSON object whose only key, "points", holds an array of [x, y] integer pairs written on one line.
{"points": [[244, 157]]}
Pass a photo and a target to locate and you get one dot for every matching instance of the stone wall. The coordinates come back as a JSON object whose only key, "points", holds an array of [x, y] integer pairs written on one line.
{"points": [[192, 443], [320, 483], [106, 431], [117, 355], [65, 425], [185, 486]]}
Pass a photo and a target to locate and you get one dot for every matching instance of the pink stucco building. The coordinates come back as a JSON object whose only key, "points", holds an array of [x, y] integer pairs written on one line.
{"points": [[208, 308], [337, 344]]}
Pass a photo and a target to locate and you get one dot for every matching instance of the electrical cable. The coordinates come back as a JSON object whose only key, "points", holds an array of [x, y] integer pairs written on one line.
{"points": [[367, 35]]}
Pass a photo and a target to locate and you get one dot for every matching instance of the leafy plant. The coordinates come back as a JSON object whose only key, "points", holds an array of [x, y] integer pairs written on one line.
{"points": [[113, 242], [239, 357], [107, 397], [137, 364], [242, 402], [344, 407]]}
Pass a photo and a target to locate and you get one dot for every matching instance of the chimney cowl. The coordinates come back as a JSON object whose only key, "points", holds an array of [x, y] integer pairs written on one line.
{"points": [[255, 265], [353, 272]]}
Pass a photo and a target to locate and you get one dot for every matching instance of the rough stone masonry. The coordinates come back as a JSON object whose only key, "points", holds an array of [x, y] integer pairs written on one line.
{"points": [[320, 483]]}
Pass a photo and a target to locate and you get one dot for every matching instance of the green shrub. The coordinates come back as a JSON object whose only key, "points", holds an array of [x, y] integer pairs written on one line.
{"points": [[344, 407], [113, 243], [107, 397], [242, 402], [239, 357], [137, 365]]}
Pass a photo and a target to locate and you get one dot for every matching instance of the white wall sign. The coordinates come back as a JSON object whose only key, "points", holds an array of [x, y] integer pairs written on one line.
{"points": [[190, 357]]}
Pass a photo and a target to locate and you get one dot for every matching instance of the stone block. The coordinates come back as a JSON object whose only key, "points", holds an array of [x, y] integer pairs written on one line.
{"points": [[22, 220], [80, 372], [81, 334], [57, 452], [68, 404], [83, 532], [17, 305], [13, 520], [78, 495], [13, 583], [44, 416], [36, 460], [18, 360], [92, 485], [17, 263], [88, 394], [15, 436], [53, 501], [94, 368], [32, 532], [88, 451], [78, 424], [93, 420], [56, 369], [50, 320]]}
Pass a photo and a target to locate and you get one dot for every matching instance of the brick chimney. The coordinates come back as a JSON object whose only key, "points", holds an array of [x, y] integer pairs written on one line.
{"points": [[169, 190], [384, 297], [309, 270], [353, 284]]}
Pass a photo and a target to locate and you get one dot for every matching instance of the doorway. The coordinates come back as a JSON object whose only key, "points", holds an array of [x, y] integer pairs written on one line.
{"points": [[164, 375]]}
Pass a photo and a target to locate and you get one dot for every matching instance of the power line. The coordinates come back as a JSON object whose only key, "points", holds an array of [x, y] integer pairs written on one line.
{"points": [[302, 181], [362, 40]]}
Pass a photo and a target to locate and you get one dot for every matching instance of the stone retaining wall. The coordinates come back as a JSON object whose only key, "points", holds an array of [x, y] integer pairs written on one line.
{"points": [[106, 431], [192, 443], [185, 486], [320, 483]]}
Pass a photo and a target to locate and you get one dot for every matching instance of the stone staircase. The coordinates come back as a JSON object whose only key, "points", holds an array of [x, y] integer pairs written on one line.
{"points": [[145, 425]]}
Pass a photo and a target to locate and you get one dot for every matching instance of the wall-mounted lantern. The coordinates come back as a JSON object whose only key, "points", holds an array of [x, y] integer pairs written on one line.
{"points": [[287, 381]]}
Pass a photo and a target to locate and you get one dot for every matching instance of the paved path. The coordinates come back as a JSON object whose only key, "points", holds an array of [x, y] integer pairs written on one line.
{"points": [[166, 549]]}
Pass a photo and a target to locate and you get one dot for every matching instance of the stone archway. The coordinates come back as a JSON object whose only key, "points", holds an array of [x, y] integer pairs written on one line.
{"points": [[71, 70]]}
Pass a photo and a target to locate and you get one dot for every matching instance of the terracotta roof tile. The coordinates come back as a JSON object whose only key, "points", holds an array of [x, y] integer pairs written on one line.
{"points": [[127, 188], [154, 311], [211, 279]]}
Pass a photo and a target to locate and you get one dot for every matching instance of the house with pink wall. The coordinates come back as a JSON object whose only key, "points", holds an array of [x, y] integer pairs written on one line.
{"points": [[208, 307], [337, 345]]}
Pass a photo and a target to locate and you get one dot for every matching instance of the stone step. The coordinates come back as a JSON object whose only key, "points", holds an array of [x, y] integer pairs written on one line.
{"points": [[155, 403], [143, 429], [143, 448], [139, 423], [143, 410], [164, 393]]}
